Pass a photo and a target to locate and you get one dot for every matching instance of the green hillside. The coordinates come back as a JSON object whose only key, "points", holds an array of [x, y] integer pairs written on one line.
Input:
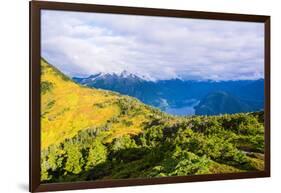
{"points": [[92, 134]]}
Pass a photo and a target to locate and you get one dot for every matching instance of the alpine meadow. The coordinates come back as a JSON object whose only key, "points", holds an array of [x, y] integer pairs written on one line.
{"points": [[95, 134], [138, 97]]}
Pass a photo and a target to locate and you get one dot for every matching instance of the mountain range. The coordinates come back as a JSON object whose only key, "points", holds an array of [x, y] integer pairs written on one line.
{"points": [[178, 93]]}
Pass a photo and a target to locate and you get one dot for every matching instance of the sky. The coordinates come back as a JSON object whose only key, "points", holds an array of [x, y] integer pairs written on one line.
{"points": [[160, 48]]}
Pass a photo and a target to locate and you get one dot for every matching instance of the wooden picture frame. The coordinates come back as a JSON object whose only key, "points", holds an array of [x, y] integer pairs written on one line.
{"points": [[35, 55]]}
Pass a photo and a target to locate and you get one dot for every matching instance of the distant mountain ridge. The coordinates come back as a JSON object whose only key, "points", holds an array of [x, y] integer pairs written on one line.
{"points": [[176, 93], [220, 103]]}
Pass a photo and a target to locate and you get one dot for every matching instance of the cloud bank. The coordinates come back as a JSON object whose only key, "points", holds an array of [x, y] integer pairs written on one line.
{"points": [[81, 44]]}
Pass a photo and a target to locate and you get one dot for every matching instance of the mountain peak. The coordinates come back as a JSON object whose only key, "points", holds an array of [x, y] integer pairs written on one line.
{"points": [[126, 74]]}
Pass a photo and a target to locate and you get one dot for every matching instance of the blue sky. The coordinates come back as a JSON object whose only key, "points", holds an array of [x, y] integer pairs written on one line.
{"points": [[81, 44]]}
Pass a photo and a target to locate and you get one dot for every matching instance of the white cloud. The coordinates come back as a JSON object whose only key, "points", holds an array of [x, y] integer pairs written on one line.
{"points": [[163, 48]]}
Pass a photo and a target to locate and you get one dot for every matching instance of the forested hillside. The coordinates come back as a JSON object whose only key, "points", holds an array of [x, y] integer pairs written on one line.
{"points": [[92, 134]]}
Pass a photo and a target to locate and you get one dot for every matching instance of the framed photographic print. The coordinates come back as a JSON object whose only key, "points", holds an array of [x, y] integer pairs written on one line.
{"points": [[123, 96]]}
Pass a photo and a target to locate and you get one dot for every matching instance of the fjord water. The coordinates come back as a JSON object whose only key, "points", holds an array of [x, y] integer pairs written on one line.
{"points": [[183, 110]]}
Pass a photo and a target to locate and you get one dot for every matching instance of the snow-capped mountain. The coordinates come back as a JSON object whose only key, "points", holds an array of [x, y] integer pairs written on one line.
{"points": [[117, 77], [124, 82]]}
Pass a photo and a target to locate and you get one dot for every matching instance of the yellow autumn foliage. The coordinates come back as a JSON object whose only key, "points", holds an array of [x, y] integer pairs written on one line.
{"points": [[67, 108]]}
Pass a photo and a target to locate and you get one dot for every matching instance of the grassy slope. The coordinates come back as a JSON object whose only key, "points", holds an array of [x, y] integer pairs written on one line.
{"points": [[67, 108]]}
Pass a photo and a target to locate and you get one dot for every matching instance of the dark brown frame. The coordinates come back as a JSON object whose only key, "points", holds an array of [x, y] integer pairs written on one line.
{"points": [[34, 99]]}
